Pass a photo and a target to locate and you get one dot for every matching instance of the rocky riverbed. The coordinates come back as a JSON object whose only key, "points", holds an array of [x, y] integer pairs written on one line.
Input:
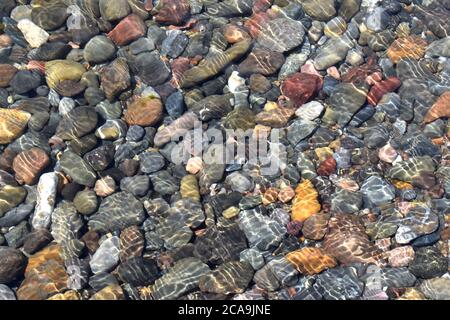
{"points": [[114, 183]]}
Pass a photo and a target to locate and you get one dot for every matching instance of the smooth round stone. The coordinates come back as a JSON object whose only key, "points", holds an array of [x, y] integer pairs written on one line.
{"points": [[50, 16], [137, 185], [239, 182], [21, 12], [135, 133], [439, 48], [29, 164], [265, 62], [78, 169], [107, 256], [174, 104], [10, 197], [99, 49], [6, 293], [77, 123], [12, 264], [174, 44], [151, 161], [151, 69], [112, 10], [144, 112], [105, 186], [25, 81], [112, 130], [281, 34], [428, 263], [86, 202], [52, 51], [332, 52]]}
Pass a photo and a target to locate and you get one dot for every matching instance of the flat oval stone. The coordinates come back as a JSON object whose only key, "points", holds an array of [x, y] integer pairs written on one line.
{"points": [[145, 111], [114, 10], [99, 49], [261, 61], [12, 264], [29, 164], [106, 257], [86, 202], [281, 34], [12, 124], [10, 197], [78, 169]]}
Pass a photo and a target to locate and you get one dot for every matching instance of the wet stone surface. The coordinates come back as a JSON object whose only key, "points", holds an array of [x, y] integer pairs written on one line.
{"points": [[224, 149]]}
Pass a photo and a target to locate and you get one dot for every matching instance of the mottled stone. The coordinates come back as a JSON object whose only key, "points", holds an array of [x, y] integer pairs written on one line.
{"points": [[409, 47], [428, 263]]}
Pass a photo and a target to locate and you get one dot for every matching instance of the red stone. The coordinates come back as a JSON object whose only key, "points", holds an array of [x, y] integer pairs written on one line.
{"points": [[301, 87], [179, 66], [361, 73], [128, 30], [327, 167], [256, 23], [173, 11], [379, 89]]}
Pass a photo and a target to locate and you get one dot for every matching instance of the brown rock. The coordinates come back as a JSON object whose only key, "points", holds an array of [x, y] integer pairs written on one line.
{"points": [[440, 109], [327, 167], [172, 11], [12, 124], [12, 264], [275, 118], [145, 111], [7, 72], [111, 292], [131, 243], [301, 87], [259, 83], [45, 275], [105, 186], [37, 240], [348, 242], [6, 159], [128, 30], [115, 78], [261, 61], [310, 261], [316, 226], [29, 164], [91, 239], [413, 47]]}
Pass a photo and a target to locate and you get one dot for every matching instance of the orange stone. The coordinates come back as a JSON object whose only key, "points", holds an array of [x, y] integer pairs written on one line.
{"points": [[129, 29], [305, 203], [310, 260], [440, 109], [29, 164], [45, 275], [409, 47], [145, 111], [270, 196]]}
